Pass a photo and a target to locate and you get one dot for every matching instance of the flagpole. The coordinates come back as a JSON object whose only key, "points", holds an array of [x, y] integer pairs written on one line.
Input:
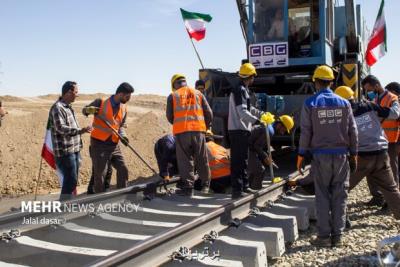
{"points": [[39, 175], [197, 53]]}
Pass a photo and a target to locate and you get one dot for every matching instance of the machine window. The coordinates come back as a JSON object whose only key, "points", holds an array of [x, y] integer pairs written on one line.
{"points": [[300, 31], [303, 27], [269, 21]]}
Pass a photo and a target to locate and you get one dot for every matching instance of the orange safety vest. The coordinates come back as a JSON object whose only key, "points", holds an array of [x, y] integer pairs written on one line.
{"points": [[188, 111], [218, 160], [101, 130], [391, 127]]}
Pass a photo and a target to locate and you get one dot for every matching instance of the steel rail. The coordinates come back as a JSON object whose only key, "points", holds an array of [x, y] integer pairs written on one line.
{"points": [[155, 250], [14, 218]]}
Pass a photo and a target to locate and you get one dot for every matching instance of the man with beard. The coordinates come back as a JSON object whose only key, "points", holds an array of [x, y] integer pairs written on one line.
{"points": [[104, 148]]}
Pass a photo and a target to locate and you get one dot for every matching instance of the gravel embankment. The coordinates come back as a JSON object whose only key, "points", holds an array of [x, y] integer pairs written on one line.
{"points": [[369, 226]]}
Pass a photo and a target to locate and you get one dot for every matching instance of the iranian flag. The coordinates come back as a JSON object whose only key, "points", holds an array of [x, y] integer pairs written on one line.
{"points": [[48, 154], [377, 43], [195, 24]]}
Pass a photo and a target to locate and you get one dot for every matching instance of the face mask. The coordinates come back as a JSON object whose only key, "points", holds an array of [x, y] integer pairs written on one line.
{"points": [[371, 95]]}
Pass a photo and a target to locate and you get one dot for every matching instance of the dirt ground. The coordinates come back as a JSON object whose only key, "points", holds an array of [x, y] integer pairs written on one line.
{"points": [[22, 135]]}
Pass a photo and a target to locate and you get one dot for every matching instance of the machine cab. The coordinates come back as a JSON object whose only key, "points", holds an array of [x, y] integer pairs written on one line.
{"points": [[283, 33]]}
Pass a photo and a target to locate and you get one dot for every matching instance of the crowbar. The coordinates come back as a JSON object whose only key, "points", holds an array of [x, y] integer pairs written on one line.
{"points": [[164, 184]]}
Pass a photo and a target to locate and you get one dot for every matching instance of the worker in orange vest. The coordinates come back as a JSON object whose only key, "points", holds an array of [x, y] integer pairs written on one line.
{"points": [[104, 146], [394, 88], [219, 163], [190, 115], [218, 160], [384, 98]]}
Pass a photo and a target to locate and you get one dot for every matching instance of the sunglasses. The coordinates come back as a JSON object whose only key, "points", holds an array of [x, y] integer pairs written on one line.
{"points": [[181, 82]]}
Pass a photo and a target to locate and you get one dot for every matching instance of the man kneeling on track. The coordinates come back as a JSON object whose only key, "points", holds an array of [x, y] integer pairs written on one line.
{"points": [[258, 148], [219, 162]]}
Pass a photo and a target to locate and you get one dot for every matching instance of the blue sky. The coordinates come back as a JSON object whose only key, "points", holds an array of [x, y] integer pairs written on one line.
{"points": [[101, 43]]}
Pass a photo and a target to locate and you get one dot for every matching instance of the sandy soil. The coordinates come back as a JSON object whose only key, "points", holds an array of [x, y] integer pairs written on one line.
{"points": [[22, 134]]}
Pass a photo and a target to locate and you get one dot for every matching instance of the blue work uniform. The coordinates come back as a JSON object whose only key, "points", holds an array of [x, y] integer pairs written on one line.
{"points": [[329, 132]]}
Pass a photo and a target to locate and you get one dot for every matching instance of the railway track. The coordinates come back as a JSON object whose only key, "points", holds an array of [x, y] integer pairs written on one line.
{"points": [[168, 230]]}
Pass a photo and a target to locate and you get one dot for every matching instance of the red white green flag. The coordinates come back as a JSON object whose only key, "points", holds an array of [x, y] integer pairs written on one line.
{"points": [[195, 24], [48, 154], [377, 43]]}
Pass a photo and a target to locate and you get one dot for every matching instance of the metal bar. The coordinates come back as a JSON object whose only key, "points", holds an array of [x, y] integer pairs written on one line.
{"points": [[197, 53], [128, 145], [171, 237], [271, 168], [155, 250], [18, 215], [161, 183], [250, 28]]}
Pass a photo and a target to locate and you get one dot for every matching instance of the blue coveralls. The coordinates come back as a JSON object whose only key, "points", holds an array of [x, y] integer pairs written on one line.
{"points": [[329, 132]]}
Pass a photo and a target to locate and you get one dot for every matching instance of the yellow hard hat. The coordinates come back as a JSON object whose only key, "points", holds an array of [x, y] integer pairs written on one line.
{"points": [[324, 73], [176, 77], [287, 121], [345, 92], [247, 70]]}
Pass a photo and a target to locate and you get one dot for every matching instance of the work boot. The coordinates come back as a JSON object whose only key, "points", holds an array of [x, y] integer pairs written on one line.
{"points": [[90, 191], [249, 190], [324, 242], [205, 187], [186, 192], [205, 190], [237, 195], [337, 241], [374, 201]]}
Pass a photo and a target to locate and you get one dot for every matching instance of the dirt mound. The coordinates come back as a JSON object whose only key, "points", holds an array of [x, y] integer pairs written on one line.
{"points": [[80, 97], [147, 100], [154, 101], [9, 98], [22, 136], [49, 97]]}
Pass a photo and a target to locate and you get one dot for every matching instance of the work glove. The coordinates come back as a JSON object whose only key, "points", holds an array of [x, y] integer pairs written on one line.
{"points": [[125, 140], [91, 110], [300, 164], [292, 183], [267, 161], [353, 163], [267, 118]]}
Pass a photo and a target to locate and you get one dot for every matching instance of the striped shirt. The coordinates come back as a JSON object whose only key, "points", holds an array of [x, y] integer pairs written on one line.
{"points": [[65, 133]]}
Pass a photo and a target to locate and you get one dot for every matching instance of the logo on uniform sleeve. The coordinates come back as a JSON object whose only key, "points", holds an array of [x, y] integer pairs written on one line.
{"points": [[364, 122], [338, 113], [321, 113], [330, 113], [330, 116]]}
